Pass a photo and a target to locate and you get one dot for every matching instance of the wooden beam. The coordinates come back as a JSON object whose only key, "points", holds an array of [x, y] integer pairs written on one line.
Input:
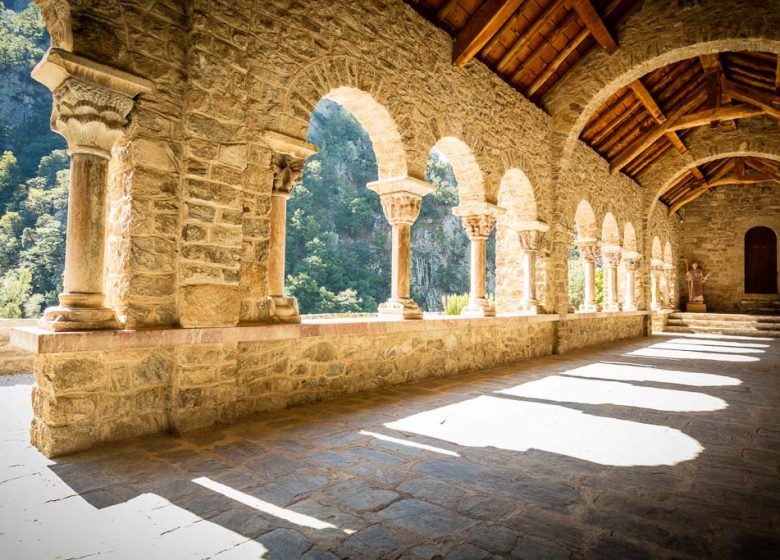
{"points": [[705, 117], [556, 62], [523, 39], [693, 195], [504, 28], [746, 180], [480, 27], [776, 100], [762, 167], [739, 167], [677, 142], [696, 172], [753, 96], [644, 142], [445, 10], [647, 100], [712, 73], [594, 24], [534, 55]]}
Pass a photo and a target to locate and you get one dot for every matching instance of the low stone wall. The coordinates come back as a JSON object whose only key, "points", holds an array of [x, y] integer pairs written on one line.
{"points": [[13, 360], [108, 386]]}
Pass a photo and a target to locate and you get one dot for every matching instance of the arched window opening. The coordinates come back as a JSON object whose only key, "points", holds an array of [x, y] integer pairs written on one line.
{"points": [[760, 261], [34, 173], [585, 275], [338, 240]]}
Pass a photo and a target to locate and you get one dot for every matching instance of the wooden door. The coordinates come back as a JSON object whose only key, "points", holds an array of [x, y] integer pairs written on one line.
{"points": [[760, 261]]}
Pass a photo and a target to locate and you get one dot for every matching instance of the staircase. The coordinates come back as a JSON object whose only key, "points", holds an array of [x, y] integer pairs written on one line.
{"points": [[760, 305], [724, 323]]}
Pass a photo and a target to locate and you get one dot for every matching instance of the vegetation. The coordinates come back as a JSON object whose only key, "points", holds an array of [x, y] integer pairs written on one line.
{"points": [[577, 279], [454, 303]]}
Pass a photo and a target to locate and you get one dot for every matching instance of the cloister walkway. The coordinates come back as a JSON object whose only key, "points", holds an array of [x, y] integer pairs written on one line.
{"points": [[653, 448]]}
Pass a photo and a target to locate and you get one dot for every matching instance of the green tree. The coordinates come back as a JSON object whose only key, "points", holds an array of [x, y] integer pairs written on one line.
{"points": [[15, 292]]}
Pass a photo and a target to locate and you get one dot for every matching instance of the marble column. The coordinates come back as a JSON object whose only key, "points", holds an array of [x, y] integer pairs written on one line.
{"points": [[589, 249], [668, 302], [90, 107], [287, 163], [401, 199], [656, 267], [531, 241], [631, 261], [478, 229], [611, 258]]}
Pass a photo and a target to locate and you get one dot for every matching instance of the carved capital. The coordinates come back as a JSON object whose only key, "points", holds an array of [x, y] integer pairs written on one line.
{"points": [[530, 240], [589, 249], [90, 117], [288, 171], [479, 227], [401, 207], [611, 256]]}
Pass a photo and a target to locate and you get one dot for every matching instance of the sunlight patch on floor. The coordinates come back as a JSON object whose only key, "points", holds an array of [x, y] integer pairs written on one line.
{"points": [[489, 421], [408, 443], [634, 372], [681, 354], [593, 391]]}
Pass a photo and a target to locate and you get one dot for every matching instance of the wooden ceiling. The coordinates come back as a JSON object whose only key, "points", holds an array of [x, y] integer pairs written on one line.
{"points": [[731, 171], [532, 44], [529, 43]]}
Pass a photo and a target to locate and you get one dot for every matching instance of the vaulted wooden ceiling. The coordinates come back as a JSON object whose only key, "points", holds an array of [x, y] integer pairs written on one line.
{"points": [[532, 44]]}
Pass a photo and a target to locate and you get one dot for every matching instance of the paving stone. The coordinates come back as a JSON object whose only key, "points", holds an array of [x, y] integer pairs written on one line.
{"points": [[359, 496], [467, 552], [372, 542], [283, 544], [432, 521]]}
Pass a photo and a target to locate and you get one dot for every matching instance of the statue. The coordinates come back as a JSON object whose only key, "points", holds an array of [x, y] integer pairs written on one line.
{"points": [[696, 279]]}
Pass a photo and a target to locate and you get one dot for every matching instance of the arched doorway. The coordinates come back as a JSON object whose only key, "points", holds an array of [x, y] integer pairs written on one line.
{"points": [[760, 261]]}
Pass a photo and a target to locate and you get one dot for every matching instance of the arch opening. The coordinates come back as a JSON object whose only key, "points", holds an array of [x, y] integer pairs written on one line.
{"points": [[760, 261]]}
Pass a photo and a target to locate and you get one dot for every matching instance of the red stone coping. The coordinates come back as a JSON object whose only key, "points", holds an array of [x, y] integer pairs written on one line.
{"points": [[40, 341]]}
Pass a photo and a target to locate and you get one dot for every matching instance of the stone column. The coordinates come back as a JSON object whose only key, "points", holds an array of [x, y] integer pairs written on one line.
{"points": [[631, 260], [611, 258], [531, 241], [667, 274], [589, 249], [90, 107], [401, 199], [656, 267], [287, 163]]}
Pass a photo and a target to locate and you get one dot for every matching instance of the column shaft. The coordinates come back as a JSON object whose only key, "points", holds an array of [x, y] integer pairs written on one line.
{"points": [[401, 264], [276, 261], [478, 247], [530, 280]]}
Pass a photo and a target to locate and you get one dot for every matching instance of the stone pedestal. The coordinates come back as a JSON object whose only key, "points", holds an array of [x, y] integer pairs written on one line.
{"points": [[531, 241], [478, 219], [589, 249], [611, 259], [696, 307], [288, 160], [90, 107], [401, 200]]}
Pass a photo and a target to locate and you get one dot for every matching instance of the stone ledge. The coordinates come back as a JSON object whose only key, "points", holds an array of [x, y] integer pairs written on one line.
{"points": [[40, 341]]}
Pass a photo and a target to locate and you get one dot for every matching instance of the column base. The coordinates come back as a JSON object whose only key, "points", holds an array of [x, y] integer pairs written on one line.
{"points": [[283, 309], [64, 318], [612, 307], [533, 306], [589, 308], [480, 307], [400, 308], [630, 307]]}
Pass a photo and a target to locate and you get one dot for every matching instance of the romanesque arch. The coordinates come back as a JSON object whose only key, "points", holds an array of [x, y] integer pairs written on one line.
{"points": [[56, 14], [471, 185], [644, 46], [610, 233], [516, 195], [657, 251], [629, 238], [585, 220], [668, 258]]}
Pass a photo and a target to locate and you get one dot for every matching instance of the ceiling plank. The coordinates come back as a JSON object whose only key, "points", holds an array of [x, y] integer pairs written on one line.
{"points": [[677, 142], [556, 62], [776, 100], [572, 16], [504, 28], [762, 167], [693, 195], [526, 36], [644, 142], [746, 180], [481, 27], [753, 96], [594, 23], [446, 9], [696, 172], [705, 117], [647, 100]]}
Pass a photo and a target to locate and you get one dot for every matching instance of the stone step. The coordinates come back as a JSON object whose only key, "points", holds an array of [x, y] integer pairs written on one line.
{"points": [[723, 324], [722, 330], [738, 317]]}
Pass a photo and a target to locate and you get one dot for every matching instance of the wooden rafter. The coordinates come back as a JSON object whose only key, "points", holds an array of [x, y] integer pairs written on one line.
{"points": [[754, 97], [764, 168], [556, 62], [776, 100], [572, 16], [494, 40], [677, 142], [526, 36], [445, 10], [481, 27], [642, 143], [594, 24], [707, 116], [647, 100]]}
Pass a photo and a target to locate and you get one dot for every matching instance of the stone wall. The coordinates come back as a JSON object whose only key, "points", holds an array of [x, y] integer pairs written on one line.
{"points": [[103, 386], [714, 236], [14, 360]]}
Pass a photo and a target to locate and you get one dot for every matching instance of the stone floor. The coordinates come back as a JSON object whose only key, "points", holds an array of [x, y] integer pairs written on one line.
{"points": [[667, 447]]}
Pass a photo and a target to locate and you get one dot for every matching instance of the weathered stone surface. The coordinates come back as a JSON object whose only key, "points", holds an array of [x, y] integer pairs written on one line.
{"points": [[208, 305]]}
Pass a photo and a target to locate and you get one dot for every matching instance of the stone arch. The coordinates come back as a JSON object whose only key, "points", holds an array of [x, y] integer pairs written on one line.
{"points": [[358, 88], [610, 233], [585, 220], [471, 184], [668, 258], [715, 155], [629, 238], [516, 195], [56, 14], [657, 251], [707, 27]]}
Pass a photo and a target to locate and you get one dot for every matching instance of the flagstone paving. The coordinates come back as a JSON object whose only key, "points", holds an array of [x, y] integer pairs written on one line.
{"points": [[337, 480]]}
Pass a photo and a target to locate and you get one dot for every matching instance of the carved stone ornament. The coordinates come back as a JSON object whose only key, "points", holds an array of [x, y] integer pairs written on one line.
{"points": [[589, 251], [479, 227], [401, 207], [611, 258], [288, 171], [89, 116], [530, 240]]}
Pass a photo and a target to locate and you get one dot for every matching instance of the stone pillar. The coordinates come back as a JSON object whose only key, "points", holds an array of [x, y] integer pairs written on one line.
{"points": [[287, 163], [656, 267], [668, 303], [478, 219], [401, 199], [631, 260], [589, 249], [90, 107], [611, 258], [531, 241]]}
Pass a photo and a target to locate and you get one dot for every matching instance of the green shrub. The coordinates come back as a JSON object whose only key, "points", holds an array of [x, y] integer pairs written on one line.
{"points": [[454, 303]]}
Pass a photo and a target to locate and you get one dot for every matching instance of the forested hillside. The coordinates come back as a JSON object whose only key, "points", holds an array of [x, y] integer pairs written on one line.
{"points": [[338, 247]]}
